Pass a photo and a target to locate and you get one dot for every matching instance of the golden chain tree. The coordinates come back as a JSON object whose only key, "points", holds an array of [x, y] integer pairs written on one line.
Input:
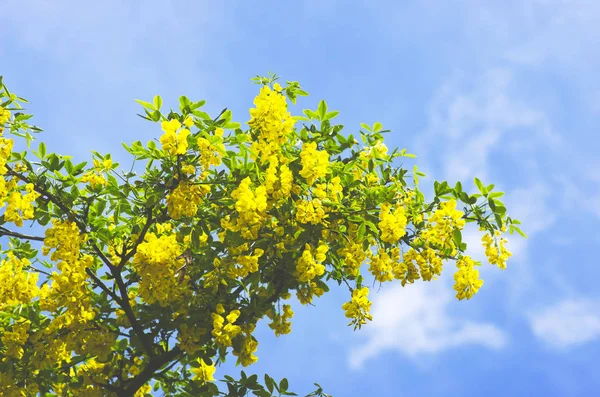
{"points": [[147, 280]]}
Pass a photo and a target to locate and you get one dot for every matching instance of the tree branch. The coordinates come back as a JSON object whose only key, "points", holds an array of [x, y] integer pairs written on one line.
{"points": [[10, 233], [147, 373]]}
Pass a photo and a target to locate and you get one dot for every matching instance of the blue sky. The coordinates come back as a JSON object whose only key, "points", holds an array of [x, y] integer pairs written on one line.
{"points": [[504, 90]]}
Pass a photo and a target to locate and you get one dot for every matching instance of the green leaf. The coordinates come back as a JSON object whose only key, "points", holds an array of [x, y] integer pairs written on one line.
{"points": [[331, 115], [492, 204], [480, 186], [145, 104], [42, 150], [157, 102], [377, 127], [518, 230], [283, 384], [231, 125], [322, 110], [366, 127], [270, 383], [457, 237], [458, 187]]}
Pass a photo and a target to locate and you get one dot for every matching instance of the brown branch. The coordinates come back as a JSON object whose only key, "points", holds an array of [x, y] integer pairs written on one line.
{"points": [[10, 233], [103, 286], [142, 235], [148, 372], [126, 306]]}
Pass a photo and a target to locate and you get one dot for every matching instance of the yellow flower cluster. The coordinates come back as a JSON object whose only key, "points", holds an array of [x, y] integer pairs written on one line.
{"points": [[14, 340], [392, 224], [174, 141], [309, 267], [358, 307], [95, 342], [247, 263], [281, 324], [278, 187], [307, 291], [9, 386], [248, 347], [222, 332], [353, 255], [441, 224], [271, 120], [4, 116], [466, 279], [310, 211], [96, 177], [315, 163], [65, 239], [184, 199], [204, 372], [382, 265], [429, 263], [6, 145], [332, 190], [495, 249], [17, 286], [209, 154], [19, 206], [406, 271], [250, 206], [156, 262], [69, 288], [189, 338]]}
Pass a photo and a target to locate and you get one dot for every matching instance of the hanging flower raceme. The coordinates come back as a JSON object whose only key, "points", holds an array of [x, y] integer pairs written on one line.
{"points": [[392, 223], [440, 228], [185, 199], [495, 248], [308, 266], [358, 308], [281, 324], [157, 262], [315, 163], [203, 372], [222, 332], [17, 286], [467, 281], [20, 206]]}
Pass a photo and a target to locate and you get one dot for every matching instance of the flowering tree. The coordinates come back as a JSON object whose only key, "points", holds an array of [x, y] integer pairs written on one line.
{"points": [[147, 280]]}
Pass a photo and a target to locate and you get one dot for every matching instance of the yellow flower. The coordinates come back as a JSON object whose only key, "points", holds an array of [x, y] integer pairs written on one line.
{"points": [[467, 281], [204, 373], [222, 332], [188, 122], [392, 224], [309, 267], [174, 142], [315, 163], [272, 122], [19, 206], [358, 307], [185, 199], [495, 249], [310, 211]]}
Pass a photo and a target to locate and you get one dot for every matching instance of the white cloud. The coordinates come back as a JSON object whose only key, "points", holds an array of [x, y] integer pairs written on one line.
{"points": [[472, 119], [568, 323], [415, 321]]}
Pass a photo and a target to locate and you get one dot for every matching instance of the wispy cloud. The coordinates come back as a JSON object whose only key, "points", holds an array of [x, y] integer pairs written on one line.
{"points": [[415, 321], [568, 323], [472, 119]]}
